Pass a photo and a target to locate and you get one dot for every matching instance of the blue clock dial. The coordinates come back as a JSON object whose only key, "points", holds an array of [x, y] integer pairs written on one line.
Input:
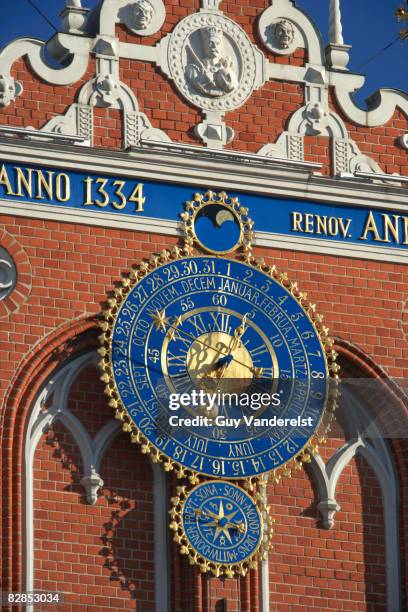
{"points": [[222, 523], [218, 326]]}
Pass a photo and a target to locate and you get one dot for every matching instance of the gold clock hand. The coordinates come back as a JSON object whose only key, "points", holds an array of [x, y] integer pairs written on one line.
{"points": [[234, 343], [208, 513], [161, 321], [251, 369]]}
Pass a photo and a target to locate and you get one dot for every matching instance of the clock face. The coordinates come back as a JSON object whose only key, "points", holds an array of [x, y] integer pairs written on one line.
{"points": [[222, 523], [199, 328]]}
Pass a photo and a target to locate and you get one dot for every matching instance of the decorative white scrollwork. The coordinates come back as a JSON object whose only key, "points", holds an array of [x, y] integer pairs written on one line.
{"points": [[8, 273], [210, 60], [74, 17], [108, 90], [317, 117]]}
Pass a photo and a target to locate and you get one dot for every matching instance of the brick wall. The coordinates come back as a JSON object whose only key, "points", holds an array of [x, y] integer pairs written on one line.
{"points": [[341, 569], [101, 556], [104, 553], [73, 269]]}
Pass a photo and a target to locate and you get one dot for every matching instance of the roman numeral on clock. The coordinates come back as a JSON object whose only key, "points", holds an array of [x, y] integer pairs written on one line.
{"points": [[258, 351], [198, 324], [182, 382], [221, 322], [177, 361]]}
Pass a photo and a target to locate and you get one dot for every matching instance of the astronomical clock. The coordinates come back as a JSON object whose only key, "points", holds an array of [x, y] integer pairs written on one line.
{"points": [[221, 369]]}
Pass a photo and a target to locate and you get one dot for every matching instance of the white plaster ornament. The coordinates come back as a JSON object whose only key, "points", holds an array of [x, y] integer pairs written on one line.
{"points": [[282, 37], [143, 17], [9, 90], [213, 74], [212, 61], [212, 64]]}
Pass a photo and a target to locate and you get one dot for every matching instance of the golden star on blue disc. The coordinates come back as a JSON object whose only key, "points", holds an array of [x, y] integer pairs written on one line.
{"points": [[221, 527], [160, 320], [222, 523]]}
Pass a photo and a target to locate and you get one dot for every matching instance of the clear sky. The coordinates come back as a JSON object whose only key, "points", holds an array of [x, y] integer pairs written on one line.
{"points": [[368, 25]]}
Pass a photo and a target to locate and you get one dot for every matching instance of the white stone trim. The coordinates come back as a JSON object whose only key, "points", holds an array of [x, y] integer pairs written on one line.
{"points": [[161, 540], [92, 452], [335, 27], [28, 133], [310, 34], [57, 389], [74, 49], [70, 215], [343, 249], [391, 528], [265, 589], [381, 106], [33, 49], [375, 176], [264, 578], [274, 180], [366, 439], [235, 156]]}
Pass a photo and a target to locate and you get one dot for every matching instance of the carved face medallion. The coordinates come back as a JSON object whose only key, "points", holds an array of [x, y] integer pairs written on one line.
{"points": [[280, 34], [283, 34], [141, 14], [142, 17]]}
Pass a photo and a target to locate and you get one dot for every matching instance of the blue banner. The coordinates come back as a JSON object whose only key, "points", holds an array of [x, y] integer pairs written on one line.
{"points": [[136, 197]]}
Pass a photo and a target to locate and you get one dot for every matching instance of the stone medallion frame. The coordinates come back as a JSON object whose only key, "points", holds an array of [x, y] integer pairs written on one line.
{"points": [[15, 275], [8, 273], [247, 60]]}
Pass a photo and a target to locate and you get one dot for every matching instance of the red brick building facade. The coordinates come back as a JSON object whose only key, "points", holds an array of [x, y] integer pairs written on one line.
{"points": [[83, 512]]}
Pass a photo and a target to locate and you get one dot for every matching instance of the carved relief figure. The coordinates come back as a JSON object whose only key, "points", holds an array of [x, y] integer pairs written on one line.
{"points": [[213, 74], [141, 14], [283, 34]]}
